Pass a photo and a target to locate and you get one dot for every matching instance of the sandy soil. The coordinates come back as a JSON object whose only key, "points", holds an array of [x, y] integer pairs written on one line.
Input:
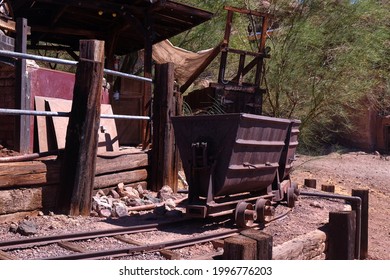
{"points": [[356, 170]]}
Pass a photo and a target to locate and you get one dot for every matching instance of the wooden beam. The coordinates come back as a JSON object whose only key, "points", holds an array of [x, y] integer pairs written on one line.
{"points": [[163, 167], [78, 168]]}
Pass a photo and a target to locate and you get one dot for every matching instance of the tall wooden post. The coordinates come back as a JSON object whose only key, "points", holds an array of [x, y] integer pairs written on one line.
{"points": [[78, 165], [163, 163], [22, 98]]}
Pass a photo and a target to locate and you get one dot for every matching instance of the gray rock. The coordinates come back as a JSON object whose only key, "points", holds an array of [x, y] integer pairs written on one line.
{"points": [[119, 210], [104, 213], [165, 193], [13, 228], [170, 204], [27, 228]]}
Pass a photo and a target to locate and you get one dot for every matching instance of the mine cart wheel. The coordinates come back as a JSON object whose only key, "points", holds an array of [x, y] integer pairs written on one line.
{"points": [[260, 205], [244, 214]]}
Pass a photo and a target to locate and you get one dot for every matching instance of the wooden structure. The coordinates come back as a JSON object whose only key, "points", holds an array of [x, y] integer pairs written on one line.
{"points": [[124, 27], [240, 93]]}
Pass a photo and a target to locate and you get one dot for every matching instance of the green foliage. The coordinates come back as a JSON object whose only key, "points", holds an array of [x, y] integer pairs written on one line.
{"points": [[329, 60]]}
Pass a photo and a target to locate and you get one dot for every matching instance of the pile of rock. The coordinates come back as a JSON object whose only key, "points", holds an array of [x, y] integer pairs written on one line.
{"points": [[122, 201]]}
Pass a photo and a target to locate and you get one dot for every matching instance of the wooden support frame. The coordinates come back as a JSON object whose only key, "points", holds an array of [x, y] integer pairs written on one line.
{"points": [[78, 168], [342, 234]]}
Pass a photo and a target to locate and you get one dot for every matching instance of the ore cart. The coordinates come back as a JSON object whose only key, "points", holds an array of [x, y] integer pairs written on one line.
{"points": [[237, 164]]}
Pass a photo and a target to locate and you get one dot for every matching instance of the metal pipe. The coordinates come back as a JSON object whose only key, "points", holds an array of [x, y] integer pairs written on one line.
{"points": [[65, 114], [354, 199], [68, 62]]}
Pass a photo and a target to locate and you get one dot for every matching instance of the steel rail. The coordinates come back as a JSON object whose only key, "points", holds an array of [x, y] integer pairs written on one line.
{"points": [[65, 114], [45, 240], [168, 245], [68, 62]]}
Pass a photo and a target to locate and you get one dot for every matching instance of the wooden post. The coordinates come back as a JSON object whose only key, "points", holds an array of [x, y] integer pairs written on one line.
{"points": [[327, 188], [363, 194], [78, 168], [264, 243], [22, 99], [342, 232], [240, 248], [163, 163], [310, 183]]}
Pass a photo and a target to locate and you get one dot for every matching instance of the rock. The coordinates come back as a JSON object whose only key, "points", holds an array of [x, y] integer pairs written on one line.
{"points": [[27, 228], [41, 214], [141, 191], [114, 194], [131, 201], [13, 228], [104, 213], [170, 204], [51, 213], [119, 209], [149, 198], [100, 203], [165, 193], [132, 192], [316, 205]]}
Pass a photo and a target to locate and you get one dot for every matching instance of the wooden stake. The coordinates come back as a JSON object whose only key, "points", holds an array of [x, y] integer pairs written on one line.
{"points": [[264, 243], [310, 183], [78, 168], [240, 248], [342, 232], [327, 188]]}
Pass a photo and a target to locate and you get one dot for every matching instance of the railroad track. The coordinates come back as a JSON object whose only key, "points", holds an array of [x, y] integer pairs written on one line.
{"points": [[129, 246]]}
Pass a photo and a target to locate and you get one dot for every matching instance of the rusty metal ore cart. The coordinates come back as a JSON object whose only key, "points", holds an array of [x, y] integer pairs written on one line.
{"points": [[236, 164]]}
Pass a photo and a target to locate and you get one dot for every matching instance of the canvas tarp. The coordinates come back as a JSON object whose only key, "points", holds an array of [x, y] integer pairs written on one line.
{"points": [[186, 62]]}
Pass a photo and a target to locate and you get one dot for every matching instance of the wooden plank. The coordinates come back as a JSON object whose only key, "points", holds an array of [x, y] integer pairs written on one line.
{"points": [[6, 256], [119, 163], [78, 168], [108, 140], [168, 254], [121, 177], [10, 25], [30, 173], [72, 247], [43, 144]]}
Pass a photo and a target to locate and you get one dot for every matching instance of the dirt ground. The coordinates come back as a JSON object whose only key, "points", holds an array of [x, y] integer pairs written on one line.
{"points": [[356, 170], [346, 171]]}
